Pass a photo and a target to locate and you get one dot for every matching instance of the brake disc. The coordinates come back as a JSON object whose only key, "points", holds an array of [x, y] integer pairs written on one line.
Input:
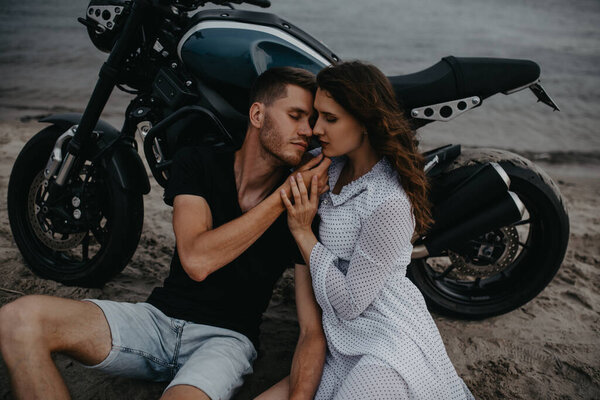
{"points": [[43, 229], [499, 254]]}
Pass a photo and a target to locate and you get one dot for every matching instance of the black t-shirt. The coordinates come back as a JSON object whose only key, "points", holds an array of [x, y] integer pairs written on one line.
{"points": [[235, 296]]}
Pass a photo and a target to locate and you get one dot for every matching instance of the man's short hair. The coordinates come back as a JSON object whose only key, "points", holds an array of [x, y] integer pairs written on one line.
{"points": [[271, 84]]}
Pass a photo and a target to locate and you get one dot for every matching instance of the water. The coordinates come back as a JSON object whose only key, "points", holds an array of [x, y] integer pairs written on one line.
{"points": [[48, 63]]}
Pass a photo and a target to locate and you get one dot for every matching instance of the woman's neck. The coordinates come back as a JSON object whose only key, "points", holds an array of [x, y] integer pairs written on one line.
{"points": [[361, 161]]}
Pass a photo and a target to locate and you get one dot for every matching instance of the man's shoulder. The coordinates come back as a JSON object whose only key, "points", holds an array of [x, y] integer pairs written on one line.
{"points": [[194, 169], [201, 153], [203, 158]]}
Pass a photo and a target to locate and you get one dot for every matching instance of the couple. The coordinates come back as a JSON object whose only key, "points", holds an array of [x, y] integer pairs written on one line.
{"points": [[368, 333]]}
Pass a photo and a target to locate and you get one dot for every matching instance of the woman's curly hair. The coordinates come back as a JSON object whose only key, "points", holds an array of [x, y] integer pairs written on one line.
{"points": [[364, 91]]}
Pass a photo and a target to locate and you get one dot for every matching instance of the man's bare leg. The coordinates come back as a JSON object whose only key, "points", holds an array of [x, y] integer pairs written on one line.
{"points": [[33, 327], [184, 392]]}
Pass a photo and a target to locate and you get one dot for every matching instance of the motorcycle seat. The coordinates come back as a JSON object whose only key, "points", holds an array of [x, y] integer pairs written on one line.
{"points": [[456, 78]]}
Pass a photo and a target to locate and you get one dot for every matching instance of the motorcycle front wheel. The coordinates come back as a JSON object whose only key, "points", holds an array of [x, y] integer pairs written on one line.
{"points": [[87, 235], [509, 266]]}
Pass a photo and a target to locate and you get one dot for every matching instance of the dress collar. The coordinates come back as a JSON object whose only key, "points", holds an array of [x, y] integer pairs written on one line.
{"points": [[355, 187]]}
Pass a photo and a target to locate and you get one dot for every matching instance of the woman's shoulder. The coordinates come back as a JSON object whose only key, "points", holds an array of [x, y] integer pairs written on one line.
{"points": [[383, 190], [389, 201], [384, 184]]}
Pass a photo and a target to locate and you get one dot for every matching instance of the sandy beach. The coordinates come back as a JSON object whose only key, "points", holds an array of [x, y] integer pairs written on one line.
{"points": [[547, 349]]}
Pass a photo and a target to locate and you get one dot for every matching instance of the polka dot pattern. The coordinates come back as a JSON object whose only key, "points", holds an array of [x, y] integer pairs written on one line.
{"points": [[382, 342]]}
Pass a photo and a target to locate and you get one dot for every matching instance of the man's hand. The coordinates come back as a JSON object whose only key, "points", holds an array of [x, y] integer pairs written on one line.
{"points": [[318, 165]]}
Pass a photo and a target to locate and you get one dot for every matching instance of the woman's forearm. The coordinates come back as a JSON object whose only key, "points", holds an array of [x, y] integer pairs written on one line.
{"points": [[307, 365], [305, 240]]}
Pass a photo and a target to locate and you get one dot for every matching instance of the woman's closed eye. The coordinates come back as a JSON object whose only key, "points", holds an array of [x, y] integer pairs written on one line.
{"points": [[328, 117]]}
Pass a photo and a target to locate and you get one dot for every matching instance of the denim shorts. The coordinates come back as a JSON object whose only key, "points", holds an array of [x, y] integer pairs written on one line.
{"points": [[146, 344]]}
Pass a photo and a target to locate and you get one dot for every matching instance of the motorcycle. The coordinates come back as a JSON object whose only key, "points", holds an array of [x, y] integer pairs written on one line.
{"points": [[75, 195]]}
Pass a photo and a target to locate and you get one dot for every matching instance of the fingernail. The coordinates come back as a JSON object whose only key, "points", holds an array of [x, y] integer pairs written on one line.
{"points": [[292, 179], [299, 176], [314, 178], [282, 191]]}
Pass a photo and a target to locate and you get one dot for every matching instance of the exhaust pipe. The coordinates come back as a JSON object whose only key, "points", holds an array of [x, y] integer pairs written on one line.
{"points": [[476, 193], [508, 210]]}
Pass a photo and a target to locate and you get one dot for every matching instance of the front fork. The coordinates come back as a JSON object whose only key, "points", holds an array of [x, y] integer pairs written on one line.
{"points": [[82, 133]]}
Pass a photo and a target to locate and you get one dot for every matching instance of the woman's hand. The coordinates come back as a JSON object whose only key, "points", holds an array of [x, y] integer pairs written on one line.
{"points": [[304, 209]]}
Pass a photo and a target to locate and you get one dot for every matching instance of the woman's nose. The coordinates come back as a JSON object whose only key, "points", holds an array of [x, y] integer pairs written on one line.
{"points": [[317, 129]]}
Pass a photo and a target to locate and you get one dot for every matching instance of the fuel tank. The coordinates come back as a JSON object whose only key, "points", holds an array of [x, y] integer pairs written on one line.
{"points": [[227, 49]]}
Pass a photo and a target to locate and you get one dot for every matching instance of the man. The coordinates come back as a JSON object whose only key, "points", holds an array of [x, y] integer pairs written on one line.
{"points": [[200, 329]]}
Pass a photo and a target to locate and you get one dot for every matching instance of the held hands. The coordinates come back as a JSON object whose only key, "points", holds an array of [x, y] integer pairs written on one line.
{"points": [[308, 169], [302, 212]]}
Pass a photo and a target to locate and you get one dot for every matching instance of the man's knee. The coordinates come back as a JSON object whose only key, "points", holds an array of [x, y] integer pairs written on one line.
{"points": [[21, 322]]}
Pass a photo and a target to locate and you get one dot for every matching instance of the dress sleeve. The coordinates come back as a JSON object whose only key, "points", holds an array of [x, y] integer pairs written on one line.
{"points": [[382, 246]]}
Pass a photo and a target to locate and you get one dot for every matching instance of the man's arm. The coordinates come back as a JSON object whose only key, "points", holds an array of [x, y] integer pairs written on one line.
{"points": [[203, 250], [309, 357]]}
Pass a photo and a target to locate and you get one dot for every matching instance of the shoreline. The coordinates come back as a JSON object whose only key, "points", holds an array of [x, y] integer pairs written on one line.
{"points": [[25, 115]]}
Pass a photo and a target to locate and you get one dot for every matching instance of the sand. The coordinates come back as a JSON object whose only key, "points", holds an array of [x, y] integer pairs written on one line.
{"points": [[547, 349]]}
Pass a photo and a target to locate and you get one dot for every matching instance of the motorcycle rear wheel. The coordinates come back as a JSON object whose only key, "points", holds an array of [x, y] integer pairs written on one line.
{"points": [[523, 257], [84, 251]]}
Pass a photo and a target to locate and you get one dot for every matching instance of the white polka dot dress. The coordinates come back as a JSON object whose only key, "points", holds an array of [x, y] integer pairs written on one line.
{"points": [[381, 341]]}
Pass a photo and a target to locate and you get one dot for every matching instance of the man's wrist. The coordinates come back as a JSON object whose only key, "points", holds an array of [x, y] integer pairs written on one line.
{"points": [[276, 202]]}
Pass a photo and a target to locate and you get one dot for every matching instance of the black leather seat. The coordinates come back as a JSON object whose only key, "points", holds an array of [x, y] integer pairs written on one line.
{"points": [[454, 78]]}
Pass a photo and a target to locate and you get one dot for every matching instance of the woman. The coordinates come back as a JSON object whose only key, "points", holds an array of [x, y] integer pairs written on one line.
{"points": [[381, 341]]}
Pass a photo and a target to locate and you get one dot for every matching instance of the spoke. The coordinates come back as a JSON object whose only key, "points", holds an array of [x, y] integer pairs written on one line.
{"points": [[522, 222], [85, 247], [437, 277], [525, 246]]}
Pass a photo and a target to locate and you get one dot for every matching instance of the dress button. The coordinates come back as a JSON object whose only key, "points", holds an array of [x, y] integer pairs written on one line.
{"points": [[325, 201]]}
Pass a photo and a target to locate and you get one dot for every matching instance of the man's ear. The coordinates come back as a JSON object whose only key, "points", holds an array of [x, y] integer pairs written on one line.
{"points": [[257, 114]]}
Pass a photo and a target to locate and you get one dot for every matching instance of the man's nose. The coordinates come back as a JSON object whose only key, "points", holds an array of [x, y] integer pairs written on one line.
{"points": [[305, 130]]}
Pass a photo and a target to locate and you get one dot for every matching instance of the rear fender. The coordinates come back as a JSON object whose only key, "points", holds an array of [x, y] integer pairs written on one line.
{"points": [[438, 159]]}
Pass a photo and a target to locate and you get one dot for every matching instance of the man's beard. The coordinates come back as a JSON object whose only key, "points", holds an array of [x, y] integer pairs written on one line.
{"points": [[273, 145]]}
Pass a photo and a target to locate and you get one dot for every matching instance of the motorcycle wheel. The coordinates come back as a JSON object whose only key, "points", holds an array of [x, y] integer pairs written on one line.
{"points": [[520, 259], [85, 251]]}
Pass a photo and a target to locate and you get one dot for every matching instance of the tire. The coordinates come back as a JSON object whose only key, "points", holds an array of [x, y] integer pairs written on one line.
{"points": [[476, 290], [85, 252]]}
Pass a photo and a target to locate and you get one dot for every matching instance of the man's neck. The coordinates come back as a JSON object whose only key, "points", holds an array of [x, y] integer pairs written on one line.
{"points": [[256, 173]]}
